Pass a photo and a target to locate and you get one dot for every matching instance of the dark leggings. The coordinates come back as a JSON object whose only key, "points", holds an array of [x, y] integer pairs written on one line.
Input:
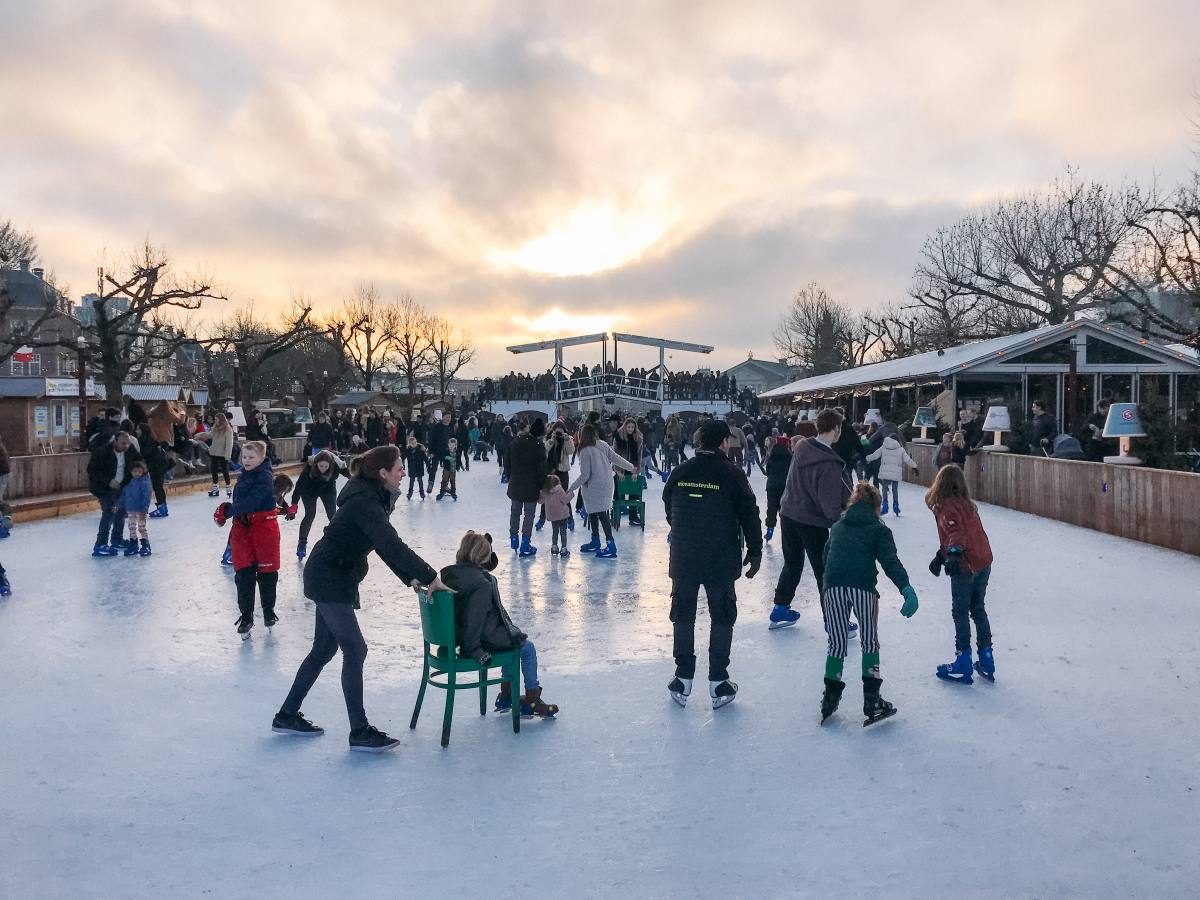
{"points": [[336, 628], [245, 580], [328, 497], [600, 520], [218, 465]]}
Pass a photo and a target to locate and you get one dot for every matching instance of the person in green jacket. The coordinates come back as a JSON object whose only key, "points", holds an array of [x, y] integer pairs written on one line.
{"points": [[856, 543]]}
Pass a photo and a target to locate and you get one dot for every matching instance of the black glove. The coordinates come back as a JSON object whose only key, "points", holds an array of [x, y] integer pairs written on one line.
{"points": [[483, 658], [935, 565], [953, 561], [754, 561]]}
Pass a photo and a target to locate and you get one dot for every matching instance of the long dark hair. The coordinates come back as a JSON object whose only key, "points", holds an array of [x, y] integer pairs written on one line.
{"points": [[368, 464]]}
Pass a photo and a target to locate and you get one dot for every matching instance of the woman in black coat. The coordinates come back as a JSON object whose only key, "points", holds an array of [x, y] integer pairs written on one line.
{"points": [[526, 472], [317, 481], [337, 566]]}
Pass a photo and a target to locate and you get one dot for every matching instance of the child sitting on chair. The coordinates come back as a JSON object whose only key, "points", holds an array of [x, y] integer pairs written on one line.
{"points": [[483, 625]]}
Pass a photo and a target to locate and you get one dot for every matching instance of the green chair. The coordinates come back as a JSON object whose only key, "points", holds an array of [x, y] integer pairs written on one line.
{"points": [[437, 629], [629, 497]]}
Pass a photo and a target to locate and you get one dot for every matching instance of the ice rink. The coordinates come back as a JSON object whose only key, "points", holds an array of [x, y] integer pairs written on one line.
{"points": [[137, 760]]}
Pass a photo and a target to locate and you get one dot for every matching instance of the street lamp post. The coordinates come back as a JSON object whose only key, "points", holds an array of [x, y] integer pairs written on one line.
{"points": [[237, 381], [81, 346]]}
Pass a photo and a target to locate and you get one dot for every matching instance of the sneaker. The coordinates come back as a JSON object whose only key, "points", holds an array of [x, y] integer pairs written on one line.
{"points": [[372, 740], [295, 724], [783, 616], [722, 692], [681, 689]]}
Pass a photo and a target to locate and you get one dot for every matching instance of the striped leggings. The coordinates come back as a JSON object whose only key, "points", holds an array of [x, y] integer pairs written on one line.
{"points": [[836, 603]]}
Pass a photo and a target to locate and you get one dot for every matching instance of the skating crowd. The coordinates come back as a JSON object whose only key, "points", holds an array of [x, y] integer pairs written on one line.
{"points": [[829, 486]]}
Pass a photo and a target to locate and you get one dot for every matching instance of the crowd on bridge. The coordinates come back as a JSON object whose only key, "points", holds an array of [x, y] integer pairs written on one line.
{"points": [[636, 382]]}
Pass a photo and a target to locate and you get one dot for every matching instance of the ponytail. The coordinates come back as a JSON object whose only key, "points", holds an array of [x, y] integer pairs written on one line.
{"points": [[368, 464]]}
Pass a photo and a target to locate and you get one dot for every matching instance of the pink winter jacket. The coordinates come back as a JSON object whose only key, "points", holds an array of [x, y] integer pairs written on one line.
{"points": [[558, 504]]}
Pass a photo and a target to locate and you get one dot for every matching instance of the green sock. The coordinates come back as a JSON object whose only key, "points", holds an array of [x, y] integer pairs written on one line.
{"points": [[833, 668], [870, 663]]}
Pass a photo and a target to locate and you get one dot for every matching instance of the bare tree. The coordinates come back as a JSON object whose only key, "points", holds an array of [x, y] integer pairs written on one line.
{"points": [[365, 329], [254, 342], [815, 332], [1155, 287], [16, 245], [412, 344], [130, 327], [449, 351], [18, 330], [1044, 254]]}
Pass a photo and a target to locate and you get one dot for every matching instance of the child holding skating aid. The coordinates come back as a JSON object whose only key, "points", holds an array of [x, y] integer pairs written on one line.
{"points": [[254, 536], [856, 543], [966, 554], [483, 625], [135, 500], [557, 504]]}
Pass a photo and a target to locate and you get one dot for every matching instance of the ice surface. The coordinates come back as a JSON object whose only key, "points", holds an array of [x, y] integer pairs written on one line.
{"points": [[136, 757]]}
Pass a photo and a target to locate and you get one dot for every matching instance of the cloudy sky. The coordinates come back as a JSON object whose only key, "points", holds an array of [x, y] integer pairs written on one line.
{"points": [[538, 169]]}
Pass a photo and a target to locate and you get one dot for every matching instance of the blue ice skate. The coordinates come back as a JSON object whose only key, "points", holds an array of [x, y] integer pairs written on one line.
{"points": [[851, 630], [591, 546], [144, 549], [896, 509], [527, 550], [514, 541], [227, 557], [959, 670], [5, 587], [104, 550], [131, 548], [783, 616], [609, 552], [160, 512], [986, 666], [770, 533], [884, 510]]}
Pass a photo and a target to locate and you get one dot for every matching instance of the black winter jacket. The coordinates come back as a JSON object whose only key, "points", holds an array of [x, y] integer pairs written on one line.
{"points": [[338, 563], [102, 468], [321, 435], [439, 438], [481, 623], [779, 460], [526, 468], [312, 484], [712, 511]]}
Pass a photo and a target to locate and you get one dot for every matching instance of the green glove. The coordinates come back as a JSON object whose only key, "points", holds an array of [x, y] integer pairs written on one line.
{"points": [[909, 609]]}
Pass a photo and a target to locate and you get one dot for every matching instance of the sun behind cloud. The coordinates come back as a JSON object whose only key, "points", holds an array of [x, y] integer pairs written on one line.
{"points": [[592, 238]]}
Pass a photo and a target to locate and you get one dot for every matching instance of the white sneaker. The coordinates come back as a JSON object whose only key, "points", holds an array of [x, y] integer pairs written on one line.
{"points": [[681, 689], [722, 692]]}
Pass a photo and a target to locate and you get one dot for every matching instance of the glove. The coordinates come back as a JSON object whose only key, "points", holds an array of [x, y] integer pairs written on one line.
{"points": [[754, 561], [953, 561], [483, 658], [909, 609], [935, 564], [221, 514], [291, 512]]}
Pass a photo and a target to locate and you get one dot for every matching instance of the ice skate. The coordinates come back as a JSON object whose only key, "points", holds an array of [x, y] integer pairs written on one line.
{"points": [[514, 541], [782, 616], [590, 547], [722, 692], [269, 619], [532, 705], [527, 550], [301, 550], [884, 510], [5, 587], [227, 557], [986, 666], [160, 512], [372, 740], [769, 534], [896, 509], [554, 549], [959, 670], [832, 697], [104, 550], [131, 548], [244, 624], [681, 689], [503, 702], [214, 491], [228, 492], [295, 724], [564, 554], [875, 708], [144, 549], [609, 552]]}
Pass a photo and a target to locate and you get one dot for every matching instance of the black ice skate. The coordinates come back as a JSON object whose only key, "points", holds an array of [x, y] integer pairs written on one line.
{"points": [[295, 724], [875, 708], [833, 696], [681, 689], [722, 692], [244, 624]]}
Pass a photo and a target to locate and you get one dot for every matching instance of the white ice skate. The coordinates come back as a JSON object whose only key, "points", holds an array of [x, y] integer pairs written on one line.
{"points": [[681, 689], [722, 692]]}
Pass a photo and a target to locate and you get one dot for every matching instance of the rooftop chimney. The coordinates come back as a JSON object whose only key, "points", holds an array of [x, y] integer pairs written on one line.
{"points": [[24, 265], [40, 273]]}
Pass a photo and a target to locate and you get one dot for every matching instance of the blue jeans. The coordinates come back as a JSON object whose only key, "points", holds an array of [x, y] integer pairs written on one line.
{"points": [[529, 665], [112, 524], [967, 592], [884, 487]]}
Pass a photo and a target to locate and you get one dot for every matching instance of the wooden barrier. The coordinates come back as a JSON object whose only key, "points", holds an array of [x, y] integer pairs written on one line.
{"points": [[1155, 506], [60, 473]]}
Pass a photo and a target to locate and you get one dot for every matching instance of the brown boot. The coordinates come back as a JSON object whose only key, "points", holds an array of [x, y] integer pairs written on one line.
{"points": [[531, 704]]}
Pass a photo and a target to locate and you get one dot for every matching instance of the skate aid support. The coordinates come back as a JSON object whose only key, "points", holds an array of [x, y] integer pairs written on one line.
{"points": [[442, 659]]}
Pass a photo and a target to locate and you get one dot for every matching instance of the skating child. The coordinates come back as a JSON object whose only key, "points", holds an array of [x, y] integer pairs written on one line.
{"points": [[779, 460], [449, 473], [281, 484], [483, 625], [5, 587], [254, 536], [856, 543], [966, 554], [892, 457], [135, 500], [416, 458], [557, 504]]}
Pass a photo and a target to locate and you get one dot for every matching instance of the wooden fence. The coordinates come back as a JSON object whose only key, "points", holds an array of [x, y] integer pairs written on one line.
{"points": [[60, 473], [1151, 505]]}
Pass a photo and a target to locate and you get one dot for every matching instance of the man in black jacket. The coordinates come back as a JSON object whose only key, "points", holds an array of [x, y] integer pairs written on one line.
{"points": [[439, 443], [109, 471], [526, 473], [711, 511]]}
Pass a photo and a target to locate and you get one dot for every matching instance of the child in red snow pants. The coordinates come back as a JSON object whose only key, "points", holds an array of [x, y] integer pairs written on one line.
{"points": [[254, 540]]}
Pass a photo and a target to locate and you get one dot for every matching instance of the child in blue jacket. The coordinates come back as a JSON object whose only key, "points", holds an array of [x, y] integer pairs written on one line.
{"points": [[135, 500]]}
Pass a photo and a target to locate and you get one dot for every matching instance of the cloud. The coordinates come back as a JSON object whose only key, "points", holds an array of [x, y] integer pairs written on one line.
{"points": [[699, 161]]}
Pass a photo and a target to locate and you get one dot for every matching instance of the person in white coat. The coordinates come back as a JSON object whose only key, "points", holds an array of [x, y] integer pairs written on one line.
{"points": [[892, 457], [595, 483]]}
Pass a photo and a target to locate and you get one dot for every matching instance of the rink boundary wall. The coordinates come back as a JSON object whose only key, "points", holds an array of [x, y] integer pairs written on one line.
{"points": [[1154, 506]]}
